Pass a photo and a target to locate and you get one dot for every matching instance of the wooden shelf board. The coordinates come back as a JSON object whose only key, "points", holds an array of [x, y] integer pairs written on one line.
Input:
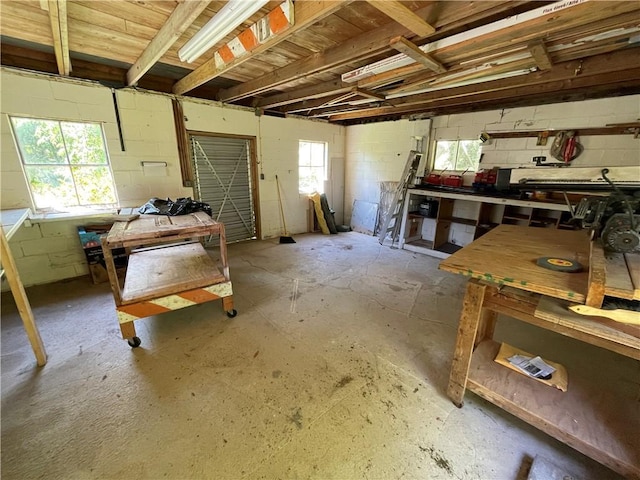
{"points": [[158, 272], [622, 275], [516, 216], [464, 221], [600, 421], [553, 314], [422, 243]]}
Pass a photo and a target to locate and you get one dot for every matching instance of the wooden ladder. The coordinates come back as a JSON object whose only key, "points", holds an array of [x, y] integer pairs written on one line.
{"points": [[391, 222]]}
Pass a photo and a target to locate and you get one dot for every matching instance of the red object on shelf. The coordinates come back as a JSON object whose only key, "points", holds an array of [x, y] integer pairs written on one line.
{"points": [[486, 177], [433, 179], [453, 181]]}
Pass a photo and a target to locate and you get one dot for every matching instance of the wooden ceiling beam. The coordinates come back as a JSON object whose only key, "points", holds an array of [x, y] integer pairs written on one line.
{"points": [[412, 51], [180, 20], [369, 44], [358, 48], [594, 71], [58, 20], [404, 16], [540, 54], [305, 14], [368, 94], [307, 105], [314, 91]]}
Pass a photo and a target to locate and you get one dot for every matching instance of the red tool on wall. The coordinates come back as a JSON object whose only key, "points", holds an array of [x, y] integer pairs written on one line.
{"points": [[566, 147]]}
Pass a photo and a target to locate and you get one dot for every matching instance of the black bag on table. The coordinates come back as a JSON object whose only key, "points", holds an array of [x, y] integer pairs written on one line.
{"points": [[182, 206]]}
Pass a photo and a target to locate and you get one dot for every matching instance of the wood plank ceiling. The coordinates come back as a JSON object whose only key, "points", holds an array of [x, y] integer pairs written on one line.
{"points": [[342, 60]]}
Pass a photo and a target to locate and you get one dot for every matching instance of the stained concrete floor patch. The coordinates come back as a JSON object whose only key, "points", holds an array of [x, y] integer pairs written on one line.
{"points": [[346, 382]]}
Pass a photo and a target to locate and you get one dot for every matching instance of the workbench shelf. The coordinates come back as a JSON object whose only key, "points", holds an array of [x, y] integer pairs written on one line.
{"points": [[599, 414], [168, 267], [462, 218], [599, 420]]}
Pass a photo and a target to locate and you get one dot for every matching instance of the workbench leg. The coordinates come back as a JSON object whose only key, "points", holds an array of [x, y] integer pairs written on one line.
{"points": [[470, 322], [227, 303], [128, 330], [111, 271], [20, 296], [487, 325]]}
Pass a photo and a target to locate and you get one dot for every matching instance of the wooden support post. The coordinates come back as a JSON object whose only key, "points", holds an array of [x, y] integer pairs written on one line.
{"points": [[486, 327], [227, 304], [111, 270], [128, 330], [20, 296], [470, 320]]}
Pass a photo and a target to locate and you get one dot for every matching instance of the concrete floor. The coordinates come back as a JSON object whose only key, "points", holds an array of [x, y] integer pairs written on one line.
{"points": [[335, 368]]}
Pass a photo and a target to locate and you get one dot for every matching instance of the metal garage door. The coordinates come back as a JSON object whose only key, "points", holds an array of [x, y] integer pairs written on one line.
{"points": [[222, 172]]}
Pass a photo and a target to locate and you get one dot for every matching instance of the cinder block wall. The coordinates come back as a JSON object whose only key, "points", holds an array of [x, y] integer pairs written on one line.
{"points": [[50, 250], [599, 150], [377, 152]]}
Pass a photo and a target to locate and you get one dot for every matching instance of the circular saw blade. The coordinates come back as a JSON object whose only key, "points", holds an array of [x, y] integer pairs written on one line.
{"points": [[559, 264]]}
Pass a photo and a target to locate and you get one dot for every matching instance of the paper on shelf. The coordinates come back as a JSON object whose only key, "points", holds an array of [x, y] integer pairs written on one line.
{"points": [[559, 379]]}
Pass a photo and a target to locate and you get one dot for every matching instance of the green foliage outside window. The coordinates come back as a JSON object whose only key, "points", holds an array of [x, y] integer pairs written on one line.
{"points": [[66, 163], [312, 166], [457, 155]]}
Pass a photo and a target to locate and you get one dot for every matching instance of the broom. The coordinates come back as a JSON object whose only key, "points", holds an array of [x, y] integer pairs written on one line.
{"points": [[283, 238]]}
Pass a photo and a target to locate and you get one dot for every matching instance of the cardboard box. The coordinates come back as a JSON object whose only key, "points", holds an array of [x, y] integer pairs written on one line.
{"points": [[90, 236]]}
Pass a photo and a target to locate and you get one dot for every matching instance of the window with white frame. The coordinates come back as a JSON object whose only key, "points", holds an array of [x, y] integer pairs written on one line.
{"points": [[312, 166], [66, 163], [457, 155]]}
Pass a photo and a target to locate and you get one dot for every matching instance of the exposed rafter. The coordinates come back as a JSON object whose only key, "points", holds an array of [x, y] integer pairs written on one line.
{"points": [[305, 14], [404, 16], [182, 17], [58, 19], [358, 48], [314, 91], [602, 69], [411, 50]]}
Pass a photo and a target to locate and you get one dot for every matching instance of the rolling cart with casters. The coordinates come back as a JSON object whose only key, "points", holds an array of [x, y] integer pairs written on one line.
{"points": [[168, 267]]}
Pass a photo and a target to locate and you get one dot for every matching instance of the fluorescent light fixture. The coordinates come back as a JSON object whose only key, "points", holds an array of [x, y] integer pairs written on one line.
{"points": [[221, 24]]}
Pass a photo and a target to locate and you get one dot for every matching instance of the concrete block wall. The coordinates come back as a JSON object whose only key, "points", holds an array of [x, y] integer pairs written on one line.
{"points": [[48, 251], [51, 250], [375, 153], [277, 154], [599, 150]]}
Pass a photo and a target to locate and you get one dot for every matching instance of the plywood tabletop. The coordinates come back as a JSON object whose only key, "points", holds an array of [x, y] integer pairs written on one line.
{"points": [[507, 256], [12, 219], [158, 226], [163, 271]]}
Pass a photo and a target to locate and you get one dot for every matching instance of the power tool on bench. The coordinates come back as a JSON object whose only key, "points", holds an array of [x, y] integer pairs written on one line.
{"points": [[615, 218]]}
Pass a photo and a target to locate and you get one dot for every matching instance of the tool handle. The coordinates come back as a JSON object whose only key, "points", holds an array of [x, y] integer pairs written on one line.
{"points": [[618, 315], [286, 232]]}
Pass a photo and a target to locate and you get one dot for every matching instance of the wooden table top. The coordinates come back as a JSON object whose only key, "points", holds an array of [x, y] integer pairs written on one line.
{"points": [[12, 219], [507, 256], [149, 227]]}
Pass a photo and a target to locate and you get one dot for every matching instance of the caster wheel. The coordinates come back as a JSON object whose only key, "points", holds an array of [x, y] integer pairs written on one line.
{"points": [[134, 342], [232, 313]]}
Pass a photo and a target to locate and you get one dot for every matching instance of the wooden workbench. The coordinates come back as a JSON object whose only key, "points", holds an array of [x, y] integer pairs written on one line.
{"points": [[504, 279], [11, 222], [168, 269]]}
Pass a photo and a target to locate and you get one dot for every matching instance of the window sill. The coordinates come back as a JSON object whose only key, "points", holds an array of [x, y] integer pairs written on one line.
{"points": [[71, 215]]}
